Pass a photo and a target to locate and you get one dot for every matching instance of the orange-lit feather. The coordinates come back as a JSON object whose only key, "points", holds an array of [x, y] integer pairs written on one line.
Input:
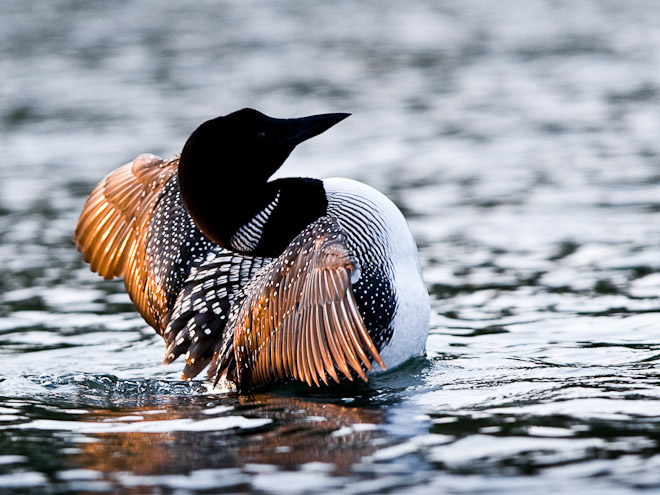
{"points": [[317, 331], [112, 227]]}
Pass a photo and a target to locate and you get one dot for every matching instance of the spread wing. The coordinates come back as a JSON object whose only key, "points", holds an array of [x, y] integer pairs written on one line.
{"points": [[133, 225], [300, 319]]}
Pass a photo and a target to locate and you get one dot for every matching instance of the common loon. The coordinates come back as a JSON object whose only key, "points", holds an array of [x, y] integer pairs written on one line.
{"points": [[293, 279]]}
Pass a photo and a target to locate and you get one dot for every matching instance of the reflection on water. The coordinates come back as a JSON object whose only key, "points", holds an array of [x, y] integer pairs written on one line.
{"points": [[196, 436], [521, 141], [305, 432], [283, 432]]}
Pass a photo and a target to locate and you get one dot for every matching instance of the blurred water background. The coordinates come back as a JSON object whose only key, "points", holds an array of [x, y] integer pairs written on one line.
{"points": [[520, 138]]}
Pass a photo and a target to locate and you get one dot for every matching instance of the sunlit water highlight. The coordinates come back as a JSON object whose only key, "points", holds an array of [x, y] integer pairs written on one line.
{"points": [[521, 141]]}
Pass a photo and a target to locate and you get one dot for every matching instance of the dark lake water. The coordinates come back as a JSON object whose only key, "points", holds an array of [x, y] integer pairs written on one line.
{"points": [[520, 138]]}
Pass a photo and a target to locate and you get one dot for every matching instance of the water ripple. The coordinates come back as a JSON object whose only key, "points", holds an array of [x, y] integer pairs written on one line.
{"points": [[521, 142]]}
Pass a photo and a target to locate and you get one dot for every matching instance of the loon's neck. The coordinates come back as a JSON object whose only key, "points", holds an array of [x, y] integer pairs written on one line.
{"points": [[223, 200], [301, 202]]}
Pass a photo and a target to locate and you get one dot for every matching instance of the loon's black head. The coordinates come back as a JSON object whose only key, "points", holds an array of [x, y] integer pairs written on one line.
{"points": [[227, 161], [250, 142]]}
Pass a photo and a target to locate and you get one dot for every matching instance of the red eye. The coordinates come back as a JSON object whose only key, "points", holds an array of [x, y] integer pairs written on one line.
{"points": [[261, 135]]}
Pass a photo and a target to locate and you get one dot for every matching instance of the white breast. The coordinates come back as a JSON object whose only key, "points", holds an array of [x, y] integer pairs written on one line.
{"points": [[363, 211]]}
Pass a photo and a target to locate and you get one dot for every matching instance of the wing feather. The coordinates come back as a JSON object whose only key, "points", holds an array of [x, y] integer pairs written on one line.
{"points": [[116, 207], [112, 231], [309, 328], [332, 346]]}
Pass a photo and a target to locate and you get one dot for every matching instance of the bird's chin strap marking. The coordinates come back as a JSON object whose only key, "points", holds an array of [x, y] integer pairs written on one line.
{"points": [[248, 236]]}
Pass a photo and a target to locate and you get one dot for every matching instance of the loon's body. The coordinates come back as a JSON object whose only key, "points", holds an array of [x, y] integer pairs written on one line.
{"points": [[265, 281]]}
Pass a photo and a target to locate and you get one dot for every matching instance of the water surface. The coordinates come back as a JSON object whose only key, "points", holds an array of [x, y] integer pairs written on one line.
{"points": [[520, 140]]}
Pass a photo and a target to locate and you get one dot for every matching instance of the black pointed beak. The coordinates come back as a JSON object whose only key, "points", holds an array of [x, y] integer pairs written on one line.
{"points": [[295, 131]]}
